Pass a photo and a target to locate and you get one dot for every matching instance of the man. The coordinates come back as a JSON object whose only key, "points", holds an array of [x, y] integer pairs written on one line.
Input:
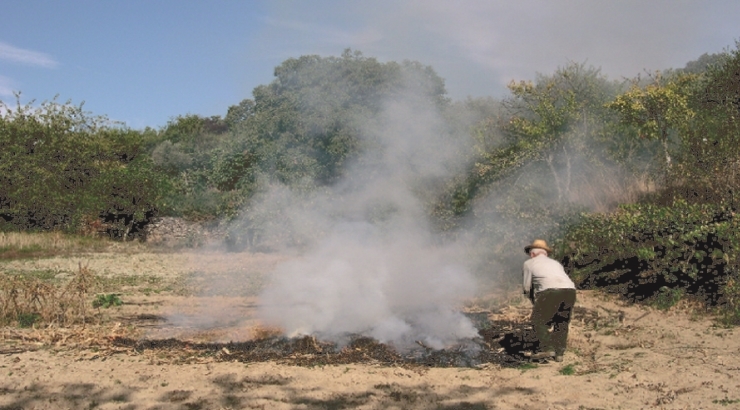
{"points": [[553, 295]]}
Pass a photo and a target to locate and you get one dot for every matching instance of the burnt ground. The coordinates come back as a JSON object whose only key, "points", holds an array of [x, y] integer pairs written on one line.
{"points": [[501, 342]]}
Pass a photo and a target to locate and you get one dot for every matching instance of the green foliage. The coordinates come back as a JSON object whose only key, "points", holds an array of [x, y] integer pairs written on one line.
{"points": [[27, 319], [725, 401], [170, 158], [567, 370], [708, 164], [658, 110], [730, 313], [684, 238], [667, 297], [203, 176], [541, 158], [60, 168], [557, 121], [307, 123], [107, 300], [692, 113], [301, 130], [527, 366], [654, 252], [704, 63]]}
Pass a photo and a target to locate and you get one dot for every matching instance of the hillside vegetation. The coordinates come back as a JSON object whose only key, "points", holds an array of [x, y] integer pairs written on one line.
{"points": [[682, 239], [634, 181]]}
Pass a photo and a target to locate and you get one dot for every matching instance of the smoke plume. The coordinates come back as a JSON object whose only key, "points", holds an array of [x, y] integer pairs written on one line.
{"points": [[370, 264]]}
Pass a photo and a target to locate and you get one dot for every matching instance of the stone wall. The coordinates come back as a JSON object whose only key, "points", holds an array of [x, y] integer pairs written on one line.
{"points": [[179, 232]]}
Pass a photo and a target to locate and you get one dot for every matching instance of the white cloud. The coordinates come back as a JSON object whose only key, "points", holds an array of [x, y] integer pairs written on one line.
{"points": [[29, 57], [478, 46]]}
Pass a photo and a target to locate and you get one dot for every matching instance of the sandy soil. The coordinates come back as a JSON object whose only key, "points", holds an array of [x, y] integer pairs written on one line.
{"points": [[620, 356]]}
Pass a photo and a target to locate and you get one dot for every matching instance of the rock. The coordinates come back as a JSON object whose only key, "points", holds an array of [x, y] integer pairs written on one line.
{"points": [[180, 232]]}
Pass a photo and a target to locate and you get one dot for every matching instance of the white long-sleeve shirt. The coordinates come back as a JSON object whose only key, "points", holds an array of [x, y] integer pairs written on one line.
{"points": [[542, 272]]}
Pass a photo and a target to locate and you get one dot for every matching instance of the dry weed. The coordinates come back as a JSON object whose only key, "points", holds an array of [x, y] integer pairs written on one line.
{"points": [[27, 300], [610, 188], [496, 302], [25, 244], [260, 332]]}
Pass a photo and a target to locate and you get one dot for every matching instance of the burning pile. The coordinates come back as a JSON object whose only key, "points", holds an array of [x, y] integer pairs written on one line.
{"points": [[500, 342]]}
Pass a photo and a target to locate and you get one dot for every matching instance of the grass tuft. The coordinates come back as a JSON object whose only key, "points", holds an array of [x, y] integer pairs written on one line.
{"points": [[107, 300], [527, 366], [568, 370], [726, 401]]}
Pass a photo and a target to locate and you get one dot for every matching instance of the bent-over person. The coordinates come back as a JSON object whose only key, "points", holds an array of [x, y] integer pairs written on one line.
{"points": [[553, 294]]}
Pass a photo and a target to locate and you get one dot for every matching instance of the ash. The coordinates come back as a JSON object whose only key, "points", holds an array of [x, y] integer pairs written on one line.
{"points": [[499, 342]]}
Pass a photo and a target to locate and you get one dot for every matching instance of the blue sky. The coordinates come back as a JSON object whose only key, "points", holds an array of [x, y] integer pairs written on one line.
{"points": [[145, 62]]}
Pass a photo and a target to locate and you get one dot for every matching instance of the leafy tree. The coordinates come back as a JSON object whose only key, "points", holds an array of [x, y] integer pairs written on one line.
{"points": [[703, 63], [236, 115], [299, 130], [171, 158], [560, 118], [708, 168], [185, 150], [659, 110], [307, 123]]}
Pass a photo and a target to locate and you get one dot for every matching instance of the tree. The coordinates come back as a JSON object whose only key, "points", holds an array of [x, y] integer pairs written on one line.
{"points": [[708, 166], [560, 117], [703, 63], [659, 110], [306, 124]]}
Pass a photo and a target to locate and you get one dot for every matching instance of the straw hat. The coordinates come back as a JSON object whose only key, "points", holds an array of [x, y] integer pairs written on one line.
{"points": [[538, 243]]}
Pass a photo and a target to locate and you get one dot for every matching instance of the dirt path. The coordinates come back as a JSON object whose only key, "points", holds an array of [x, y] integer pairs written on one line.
{"points": [[619, 356]]}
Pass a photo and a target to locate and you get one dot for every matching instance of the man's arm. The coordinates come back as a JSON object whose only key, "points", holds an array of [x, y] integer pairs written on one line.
{"points": [[527, 283], [526, 280]]}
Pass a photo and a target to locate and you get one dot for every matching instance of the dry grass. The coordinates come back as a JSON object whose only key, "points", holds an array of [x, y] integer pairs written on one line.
{"points": [[502, 299], [24, 240], [26, 300], [24, 244], [261, 332], [603, 191]]}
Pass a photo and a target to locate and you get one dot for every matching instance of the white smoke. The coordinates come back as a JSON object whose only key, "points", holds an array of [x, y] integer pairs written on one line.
{"points": [[371, 264]]}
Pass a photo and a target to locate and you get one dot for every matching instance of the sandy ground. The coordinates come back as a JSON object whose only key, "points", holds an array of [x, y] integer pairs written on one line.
{"points": [[620, 356]]}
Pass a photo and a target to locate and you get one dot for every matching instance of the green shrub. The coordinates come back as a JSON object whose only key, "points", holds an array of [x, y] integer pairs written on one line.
{"points": [[667, 297], [107, 300], [27, 319], [568, 370], [657, 253], [62, 168]]}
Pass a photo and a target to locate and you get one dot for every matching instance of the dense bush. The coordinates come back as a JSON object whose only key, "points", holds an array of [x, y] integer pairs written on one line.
{"points": [[642, 248], [61, 168]]}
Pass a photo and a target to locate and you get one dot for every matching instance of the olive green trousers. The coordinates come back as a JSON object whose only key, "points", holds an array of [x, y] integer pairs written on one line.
{"points": [[552, 307]]}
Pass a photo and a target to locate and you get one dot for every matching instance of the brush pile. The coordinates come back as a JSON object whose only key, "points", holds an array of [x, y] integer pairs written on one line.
{"points": [[500, 342]]}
